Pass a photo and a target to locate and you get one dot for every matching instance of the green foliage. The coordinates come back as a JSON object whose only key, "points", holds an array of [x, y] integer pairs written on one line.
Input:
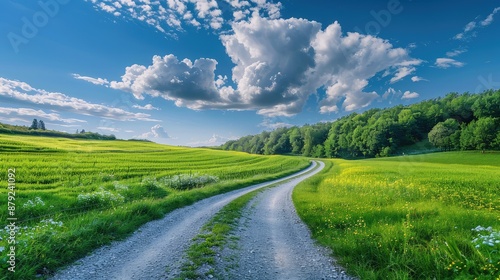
{"points": [[445, 135], [99, 199], [457, 121], [189, 181], [409, 217]]}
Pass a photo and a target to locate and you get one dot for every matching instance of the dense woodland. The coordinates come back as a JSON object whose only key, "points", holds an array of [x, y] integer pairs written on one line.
{"points": [[455, 122]]}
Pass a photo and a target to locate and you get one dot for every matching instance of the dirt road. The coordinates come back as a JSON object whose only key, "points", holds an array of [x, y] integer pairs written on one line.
{"points": [[158, 244]]}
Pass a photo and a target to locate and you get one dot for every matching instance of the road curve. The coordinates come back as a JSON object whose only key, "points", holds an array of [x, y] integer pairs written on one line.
{"points": [[157, 244], [275, 244]]}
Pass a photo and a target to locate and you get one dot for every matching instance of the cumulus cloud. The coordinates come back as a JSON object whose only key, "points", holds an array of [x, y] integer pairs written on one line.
{"points": [[95, 81], [279, 63], [156, 131], [409, 95], [184, 82], [215, 140], [23, 93], [391, 93], [346, 63], [445, 62]]}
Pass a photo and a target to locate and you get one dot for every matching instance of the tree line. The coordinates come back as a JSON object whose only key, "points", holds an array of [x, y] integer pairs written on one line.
{"points": [[457, 121], [38, 128]]}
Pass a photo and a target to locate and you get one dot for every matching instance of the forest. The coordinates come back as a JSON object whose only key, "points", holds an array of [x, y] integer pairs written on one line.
{"points": [[454, 122]]}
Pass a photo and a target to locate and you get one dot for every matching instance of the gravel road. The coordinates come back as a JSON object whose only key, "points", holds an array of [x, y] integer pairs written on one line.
{"points": [[161, 243], [273, 243]]}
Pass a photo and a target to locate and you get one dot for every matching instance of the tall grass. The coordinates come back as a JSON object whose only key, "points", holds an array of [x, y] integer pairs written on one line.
{"points": [[413, 217], [93, 192]]}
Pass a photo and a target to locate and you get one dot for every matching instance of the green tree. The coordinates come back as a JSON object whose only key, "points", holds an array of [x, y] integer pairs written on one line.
{"points": [[485, 133], [296, 140], [34, 124], [41, 125], [443, 134]]}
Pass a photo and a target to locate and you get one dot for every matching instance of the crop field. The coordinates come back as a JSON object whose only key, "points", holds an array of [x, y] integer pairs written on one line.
{"points": [[69, 197], [433, 216]]}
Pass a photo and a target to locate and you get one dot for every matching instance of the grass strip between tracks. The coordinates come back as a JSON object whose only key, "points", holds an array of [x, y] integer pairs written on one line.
{"points": [[215, 234]]}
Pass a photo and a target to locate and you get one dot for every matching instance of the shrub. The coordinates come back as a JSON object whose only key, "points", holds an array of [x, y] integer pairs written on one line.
{"points": [[189, 181], [98, 199]]}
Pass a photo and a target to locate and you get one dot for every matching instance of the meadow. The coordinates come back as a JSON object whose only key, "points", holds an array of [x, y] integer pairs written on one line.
{"points": [[73, 196], [432, 216]]}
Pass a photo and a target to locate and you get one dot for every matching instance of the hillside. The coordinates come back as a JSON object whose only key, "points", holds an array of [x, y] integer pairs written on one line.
{"points": [[456, 122], [71, 196]]}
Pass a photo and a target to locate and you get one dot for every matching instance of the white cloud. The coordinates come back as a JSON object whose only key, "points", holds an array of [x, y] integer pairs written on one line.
{"points": [[95, 81], [471, 26], [391, 94], [409, 95], [183, 81], [110, 129], [28, 112], [346, 63], [148, 107], [23, 93], [417, 79], [279, 63], [156, 131], [448, 62], [268, 123], [401, 73], [489, 18], [173, 16], [455, 52], [215, 140]]}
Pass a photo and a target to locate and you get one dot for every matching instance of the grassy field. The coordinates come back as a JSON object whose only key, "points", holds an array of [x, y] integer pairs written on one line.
{"points": [[72, 196], [434, 216]]}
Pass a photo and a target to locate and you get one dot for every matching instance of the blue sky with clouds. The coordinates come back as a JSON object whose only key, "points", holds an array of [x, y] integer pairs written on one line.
{"points": [[200, 72]]}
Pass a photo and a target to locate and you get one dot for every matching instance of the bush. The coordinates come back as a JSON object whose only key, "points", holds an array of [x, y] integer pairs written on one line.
{"points": [[189, 181], [101, 198]]}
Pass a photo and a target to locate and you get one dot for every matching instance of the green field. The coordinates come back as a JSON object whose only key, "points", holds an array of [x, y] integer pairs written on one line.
{"points": [[72, 196], [409, 217]]}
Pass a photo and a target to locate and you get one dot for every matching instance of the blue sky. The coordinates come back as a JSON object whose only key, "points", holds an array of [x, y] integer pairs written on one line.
{"points": [[188, 72]]}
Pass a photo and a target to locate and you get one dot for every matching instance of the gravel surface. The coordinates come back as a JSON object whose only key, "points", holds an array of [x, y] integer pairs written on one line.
{"points": [[273, 243], [158, 244]]}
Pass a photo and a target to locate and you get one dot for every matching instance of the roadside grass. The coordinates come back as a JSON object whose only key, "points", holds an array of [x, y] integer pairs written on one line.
{"points": [[73, 196], [217, 233], [411, 217]]}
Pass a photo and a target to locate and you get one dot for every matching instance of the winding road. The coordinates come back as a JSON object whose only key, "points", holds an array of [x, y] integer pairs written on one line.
{"points": [[275, 244]]}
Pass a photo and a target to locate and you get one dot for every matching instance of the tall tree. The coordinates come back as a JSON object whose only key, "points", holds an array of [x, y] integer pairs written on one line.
{"points": [[34, 124], [41, 125]]}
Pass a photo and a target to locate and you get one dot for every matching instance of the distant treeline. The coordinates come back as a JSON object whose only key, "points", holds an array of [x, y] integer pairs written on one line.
{"points": [[457, 121], [24, 130]]}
